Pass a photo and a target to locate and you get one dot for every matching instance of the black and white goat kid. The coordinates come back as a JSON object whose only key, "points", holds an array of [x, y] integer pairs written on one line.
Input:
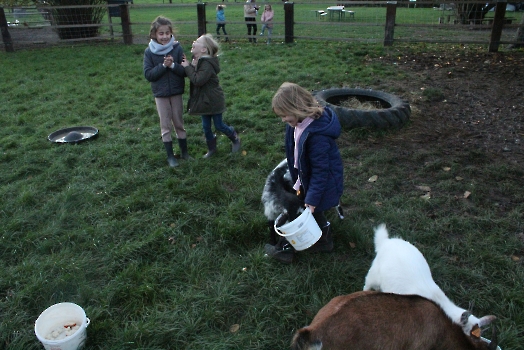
{"points": [[280, 200]]}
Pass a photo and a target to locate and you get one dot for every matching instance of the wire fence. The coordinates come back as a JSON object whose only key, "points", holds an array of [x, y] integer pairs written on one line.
{"points": [[361, 21]]}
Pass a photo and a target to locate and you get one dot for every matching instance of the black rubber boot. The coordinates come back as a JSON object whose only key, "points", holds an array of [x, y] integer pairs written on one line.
{"points": [[182, 143], [283, 251], [211, 147], [236, 142], [325, 243], [171, 160]]}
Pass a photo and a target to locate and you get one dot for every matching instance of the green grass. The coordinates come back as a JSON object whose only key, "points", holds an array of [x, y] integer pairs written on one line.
{"points": [[165, 258]]}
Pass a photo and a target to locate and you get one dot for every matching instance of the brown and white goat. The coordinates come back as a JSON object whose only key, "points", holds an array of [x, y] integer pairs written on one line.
{"points": [[400, 268], [370, 320]]}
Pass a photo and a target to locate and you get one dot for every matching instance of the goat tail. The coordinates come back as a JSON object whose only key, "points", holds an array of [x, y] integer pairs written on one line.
{"points": [[381, 235], [302, 341]]}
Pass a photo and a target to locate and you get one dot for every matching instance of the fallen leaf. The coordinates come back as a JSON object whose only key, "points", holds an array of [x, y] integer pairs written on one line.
{"points": [[352, 245], [424, 188], [200, 239], [446, 168], [373, 178], [467, 194], [234, 328], [458, 178], [172, 225], [426, 196], [515, 258], [244, 153], [378, 204], [171, 240], [244, 269], [193, 245]]}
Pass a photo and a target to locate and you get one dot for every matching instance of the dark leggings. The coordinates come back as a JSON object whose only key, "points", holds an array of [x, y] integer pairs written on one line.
{"points": [[320, 218], [223, 26], [251, 26]]}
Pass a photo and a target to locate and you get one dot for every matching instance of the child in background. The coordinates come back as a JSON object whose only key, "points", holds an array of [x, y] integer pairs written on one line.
{"points": [[206, 95], [313, 160], [221, 21], [162, 69], [267, 21]]}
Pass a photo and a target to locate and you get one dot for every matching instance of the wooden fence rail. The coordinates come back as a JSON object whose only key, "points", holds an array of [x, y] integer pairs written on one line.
{"points": [[495, 24]]}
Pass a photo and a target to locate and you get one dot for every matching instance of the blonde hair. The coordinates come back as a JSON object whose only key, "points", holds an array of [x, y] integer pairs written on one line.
{"points": [[211, 45], [267, 5], [157, 23], [293, 100]]}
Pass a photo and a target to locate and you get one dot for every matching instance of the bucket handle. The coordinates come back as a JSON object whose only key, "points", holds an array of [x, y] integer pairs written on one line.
{"points": [[88, 321], [276, 220]]}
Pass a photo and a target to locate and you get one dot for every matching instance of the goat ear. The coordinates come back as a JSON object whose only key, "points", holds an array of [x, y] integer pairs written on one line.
{"points": [[486, 320], [475, 331]]}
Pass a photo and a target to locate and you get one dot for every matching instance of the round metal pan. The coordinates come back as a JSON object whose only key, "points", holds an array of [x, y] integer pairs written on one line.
{"points": [[73, 135]]}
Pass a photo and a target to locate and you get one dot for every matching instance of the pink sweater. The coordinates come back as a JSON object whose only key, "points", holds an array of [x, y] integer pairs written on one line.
{"points": [[267, 17]]}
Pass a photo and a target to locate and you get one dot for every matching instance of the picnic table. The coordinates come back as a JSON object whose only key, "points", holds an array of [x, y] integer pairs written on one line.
{"points": [[332, 10]]}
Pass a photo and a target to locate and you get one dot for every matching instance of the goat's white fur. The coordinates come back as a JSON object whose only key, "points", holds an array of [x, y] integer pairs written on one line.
{"points": [[400, 268]]}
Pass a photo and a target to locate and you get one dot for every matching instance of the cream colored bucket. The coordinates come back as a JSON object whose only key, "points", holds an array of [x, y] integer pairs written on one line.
{"points": [[51, 327], [302, 232]]}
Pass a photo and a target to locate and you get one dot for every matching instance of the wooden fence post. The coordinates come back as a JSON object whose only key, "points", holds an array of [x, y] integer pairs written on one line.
{"points": [[6, 37], [498, 24], [126, 24], [391, 12], [289, 22], [201, 18]]}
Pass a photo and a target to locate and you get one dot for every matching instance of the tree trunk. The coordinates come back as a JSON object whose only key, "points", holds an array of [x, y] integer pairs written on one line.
{"points": [[468, 13], [519, 36]]}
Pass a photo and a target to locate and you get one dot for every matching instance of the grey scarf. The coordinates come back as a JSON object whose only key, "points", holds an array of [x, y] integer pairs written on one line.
{"points": [[159, 49]]}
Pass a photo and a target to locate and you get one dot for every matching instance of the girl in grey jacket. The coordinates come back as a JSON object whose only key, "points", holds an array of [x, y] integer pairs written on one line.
{"points": [[206, 95], [162, 68]]}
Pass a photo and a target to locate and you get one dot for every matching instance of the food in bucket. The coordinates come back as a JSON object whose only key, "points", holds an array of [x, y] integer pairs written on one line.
{"points": [[62, 331]]}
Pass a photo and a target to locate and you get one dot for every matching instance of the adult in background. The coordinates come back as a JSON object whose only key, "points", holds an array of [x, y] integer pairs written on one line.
{"points": [[250, 16]]}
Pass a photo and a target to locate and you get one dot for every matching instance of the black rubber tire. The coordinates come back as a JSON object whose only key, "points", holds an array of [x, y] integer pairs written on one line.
{"points": [[394, 113]]}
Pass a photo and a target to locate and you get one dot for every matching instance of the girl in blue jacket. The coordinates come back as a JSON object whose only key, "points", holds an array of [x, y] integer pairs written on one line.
{"points": [[221, 21], [313, 160], [163, 70]]}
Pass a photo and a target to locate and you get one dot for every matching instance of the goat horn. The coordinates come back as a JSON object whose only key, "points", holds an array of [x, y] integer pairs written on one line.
{"points": [[493, 343]]}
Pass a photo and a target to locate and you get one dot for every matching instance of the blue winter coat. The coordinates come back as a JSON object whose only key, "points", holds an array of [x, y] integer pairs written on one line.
{"points": [[165, 82], [319, 164], [221, 16]]}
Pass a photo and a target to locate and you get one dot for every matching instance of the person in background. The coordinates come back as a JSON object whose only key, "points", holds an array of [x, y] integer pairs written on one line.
{"points": [[250, 16], [162, 69], [313, 160], [221, 21], [206, 95], [267, 21]]}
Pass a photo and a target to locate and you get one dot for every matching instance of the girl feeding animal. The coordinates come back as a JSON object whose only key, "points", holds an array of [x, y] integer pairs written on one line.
{"points": [[313, 160]]}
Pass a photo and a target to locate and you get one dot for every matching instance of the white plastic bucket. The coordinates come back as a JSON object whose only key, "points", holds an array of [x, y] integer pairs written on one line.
{"points": [[60, 315], [302, 232]]}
